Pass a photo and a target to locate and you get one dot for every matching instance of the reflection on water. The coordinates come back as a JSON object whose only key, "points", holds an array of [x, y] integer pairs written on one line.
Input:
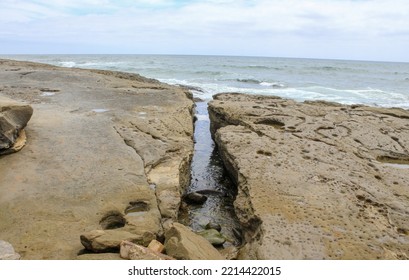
{"points": [[209, 178]]}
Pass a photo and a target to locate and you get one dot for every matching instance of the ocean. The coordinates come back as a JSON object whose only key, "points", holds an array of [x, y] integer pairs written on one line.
{"points": [[384, 84]]}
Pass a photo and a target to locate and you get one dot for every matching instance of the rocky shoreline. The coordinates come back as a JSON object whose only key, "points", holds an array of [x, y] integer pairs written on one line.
{"points": [[107, 158], [316, 180], [106, 162]]}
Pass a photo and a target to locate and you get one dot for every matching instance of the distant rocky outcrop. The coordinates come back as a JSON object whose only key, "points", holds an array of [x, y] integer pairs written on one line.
{"points": [[14, 117], [316, 180]]}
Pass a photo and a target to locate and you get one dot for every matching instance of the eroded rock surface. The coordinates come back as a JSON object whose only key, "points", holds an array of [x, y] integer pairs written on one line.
{"points": [[13, 119], [105, 151], [316, 180]]}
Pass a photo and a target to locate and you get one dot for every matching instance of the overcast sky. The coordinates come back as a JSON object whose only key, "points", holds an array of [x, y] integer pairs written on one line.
{"points": [[344, 29]]}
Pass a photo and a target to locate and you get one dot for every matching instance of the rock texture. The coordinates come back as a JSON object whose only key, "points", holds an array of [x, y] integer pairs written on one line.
{"points": [[13, 118], [316, 180], [106, 151], [131, 251], [183, 244], [100, 241]]}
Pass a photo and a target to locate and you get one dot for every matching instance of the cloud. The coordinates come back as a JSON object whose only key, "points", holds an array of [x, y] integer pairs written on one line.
{"points": [[273, 27]]}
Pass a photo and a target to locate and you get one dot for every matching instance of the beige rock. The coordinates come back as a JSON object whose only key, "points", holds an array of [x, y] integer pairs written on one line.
{"points": [[108, 240], [94, 140], [156, 246], [316, 180], [183, 244], [131, 251], [14, 117]]}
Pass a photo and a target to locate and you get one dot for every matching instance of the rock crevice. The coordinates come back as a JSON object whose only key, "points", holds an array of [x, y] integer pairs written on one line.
{"points": [[316, 180]]}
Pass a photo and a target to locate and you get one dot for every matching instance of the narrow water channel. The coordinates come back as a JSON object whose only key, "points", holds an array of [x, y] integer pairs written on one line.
{"points": [[209, 177]]}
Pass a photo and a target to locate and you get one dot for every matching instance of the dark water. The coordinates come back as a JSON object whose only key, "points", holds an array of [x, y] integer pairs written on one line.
{"points": [[207, 173]]}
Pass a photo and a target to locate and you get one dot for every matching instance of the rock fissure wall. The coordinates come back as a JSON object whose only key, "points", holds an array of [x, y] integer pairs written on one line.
{"points": [[324, 180]]}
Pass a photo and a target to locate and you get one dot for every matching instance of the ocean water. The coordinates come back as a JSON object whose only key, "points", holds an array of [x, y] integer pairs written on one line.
{"points": [[383, 84]]}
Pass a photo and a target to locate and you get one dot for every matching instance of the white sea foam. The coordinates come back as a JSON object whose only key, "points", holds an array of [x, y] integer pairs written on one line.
{"points": [[69, 64], [349, 82]]}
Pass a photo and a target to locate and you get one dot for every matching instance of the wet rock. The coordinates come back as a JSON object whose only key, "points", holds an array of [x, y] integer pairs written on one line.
{"points": [[183, 244], [110, 240], [7, 251], [195, 198], [213, 236], [14, 117], [213, 225], [131, 251]]}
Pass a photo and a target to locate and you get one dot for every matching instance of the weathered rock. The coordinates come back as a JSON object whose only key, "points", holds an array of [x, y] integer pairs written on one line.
{"points": [[213, 236], [213, 225], [183, 244], [98, 141], [316, 180], [230, 253], [156, 246], [131, 251], [110, 240], [7, 251], [14, 117], [194, 198]]}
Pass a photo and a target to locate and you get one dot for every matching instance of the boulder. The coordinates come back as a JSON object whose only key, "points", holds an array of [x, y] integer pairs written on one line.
{"points": [[131, 251], [109, 240], [7, 251], [183, 244], [13, 118], [195, 198], [213, 236]]}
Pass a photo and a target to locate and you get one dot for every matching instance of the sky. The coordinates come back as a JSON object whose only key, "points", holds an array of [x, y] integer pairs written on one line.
{"points": [[337, 29]]}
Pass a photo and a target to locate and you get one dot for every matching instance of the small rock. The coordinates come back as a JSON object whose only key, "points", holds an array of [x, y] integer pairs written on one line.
{"points": [[213, 236], [13, 118], [156, 246], [195, 198], [104, 241], [213, 225], [7, 251], [131, 251], [183, 244]]}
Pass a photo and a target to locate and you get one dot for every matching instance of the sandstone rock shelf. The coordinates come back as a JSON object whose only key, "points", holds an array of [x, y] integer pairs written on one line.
{"points": [[316, 180], [98, 143]]}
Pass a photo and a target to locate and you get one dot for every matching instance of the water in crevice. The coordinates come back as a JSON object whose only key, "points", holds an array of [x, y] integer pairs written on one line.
{"points": [[209, 177]]}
